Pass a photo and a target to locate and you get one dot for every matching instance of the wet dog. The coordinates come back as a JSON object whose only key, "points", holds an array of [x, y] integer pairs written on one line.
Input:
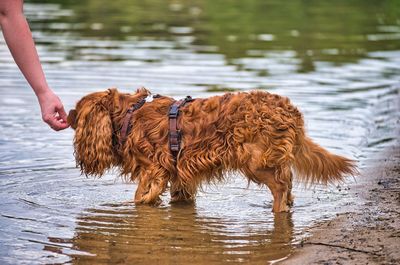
{"points": [[258, 134]]}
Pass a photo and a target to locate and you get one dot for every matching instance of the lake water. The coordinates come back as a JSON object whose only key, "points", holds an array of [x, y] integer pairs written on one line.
{"points": [[338, 62]]}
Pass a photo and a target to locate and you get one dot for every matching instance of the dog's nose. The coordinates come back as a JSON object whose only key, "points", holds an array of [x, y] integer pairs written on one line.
{"points": [[71, 119]]}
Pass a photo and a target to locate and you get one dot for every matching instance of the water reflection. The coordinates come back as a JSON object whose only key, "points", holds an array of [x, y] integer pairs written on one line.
{"points": [[176, 234], [345, 31]]}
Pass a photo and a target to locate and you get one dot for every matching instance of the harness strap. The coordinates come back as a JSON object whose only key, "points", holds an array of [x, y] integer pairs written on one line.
{"points": [[175, 135], [127, 126]]}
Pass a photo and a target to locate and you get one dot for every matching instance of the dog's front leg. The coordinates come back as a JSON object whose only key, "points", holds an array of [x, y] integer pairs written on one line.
{"points": [[180, 195], [181, 192], [152, 183]]}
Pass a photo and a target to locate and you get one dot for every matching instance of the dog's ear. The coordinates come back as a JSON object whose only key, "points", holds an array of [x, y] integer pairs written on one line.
{"points": [[71, 119], [93, 138]]}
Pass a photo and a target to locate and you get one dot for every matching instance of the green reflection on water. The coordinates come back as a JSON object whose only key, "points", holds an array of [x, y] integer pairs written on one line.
{"points": [[339, 31]]}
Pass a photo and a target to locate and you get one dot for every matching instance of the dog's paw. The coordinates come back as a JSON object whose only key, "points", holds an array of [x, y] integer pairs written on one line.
{"points": [[154, 201], [181, 200], [181, 197]]}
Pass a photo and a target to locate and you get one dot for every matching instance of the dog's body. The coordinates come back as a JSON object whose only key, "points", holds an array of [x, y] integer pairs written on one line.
{"points": [[258, 134]]}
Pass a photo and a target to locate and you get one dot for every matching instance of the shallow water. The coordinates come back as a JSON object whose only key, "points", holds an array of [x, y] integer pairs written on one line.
{"points": [[340, 65]]}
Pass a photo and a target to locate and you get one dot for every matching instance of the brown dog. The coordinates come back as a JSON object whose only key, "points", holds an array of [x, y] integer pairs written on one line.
{"points": [[258, 134]]}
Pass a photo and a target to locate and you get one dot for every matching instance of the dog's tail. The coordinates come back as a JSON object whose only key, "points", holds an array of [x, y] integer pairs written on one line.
{"points": [[314, 164]]}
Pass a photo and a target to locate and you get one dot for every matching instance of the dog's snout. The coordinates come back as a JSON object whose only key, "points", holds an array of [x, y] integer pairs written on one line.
{"points": [[71, 119]]}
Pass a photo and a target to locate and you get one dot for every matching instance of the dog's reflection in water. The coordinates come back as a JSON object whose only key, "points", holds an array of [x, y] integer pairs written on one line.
{"points": [[177, 234]]}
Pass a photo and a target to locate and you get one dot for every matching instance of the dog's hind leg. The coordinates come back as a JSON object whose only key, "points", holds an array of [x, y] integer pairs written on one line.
{"points": [[278, 180], [152, 183]]}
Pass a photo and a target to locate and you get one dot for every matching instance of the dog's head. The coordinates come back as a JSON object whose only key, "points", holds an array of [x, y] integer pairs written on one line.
{"points": [[92, 120]]}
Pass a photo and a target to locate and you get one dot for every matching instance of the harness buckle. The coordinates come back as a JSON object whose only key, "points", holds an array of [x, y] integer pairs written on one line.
{"points": [[173, 112]]}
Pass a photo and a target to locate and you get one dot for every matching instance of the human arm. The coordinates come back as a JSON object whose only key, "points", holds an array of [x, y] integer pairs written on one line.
{"points": [[22, 47]]}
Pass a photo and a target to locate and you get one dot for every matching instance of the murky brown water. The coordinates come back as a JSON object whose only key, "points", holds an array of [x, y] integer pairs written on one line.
{"points": [[340, 65]]}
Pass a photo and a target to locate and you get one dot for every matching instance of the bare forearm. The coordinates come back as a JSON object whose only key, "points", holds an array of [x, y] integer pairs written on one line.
{"points": [[19, 40]]}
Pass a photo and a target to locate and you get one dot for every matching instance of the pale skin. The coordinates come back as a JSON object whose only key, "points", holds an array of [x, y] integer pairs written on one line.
{"points": [[18, 37]]}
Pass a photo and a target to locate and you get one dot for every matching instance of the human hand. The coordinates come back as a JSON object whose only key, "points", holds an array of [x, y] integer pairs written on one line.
{"points": [[53, 112]]}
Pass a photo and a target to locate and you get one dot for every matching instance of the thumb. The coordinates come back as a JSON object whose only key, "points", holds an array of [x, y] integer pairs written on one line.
{"points": [[62, 113]]}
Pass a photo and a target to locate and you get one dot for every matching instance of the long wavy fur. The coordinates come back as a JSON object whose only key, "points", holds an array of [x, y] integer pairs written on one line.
{"points": [[257, 133]]}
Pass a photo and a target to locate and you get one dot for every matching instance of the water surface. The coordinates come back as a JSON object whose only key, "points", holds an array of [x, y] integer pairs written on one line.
{"points": [[340, 64]]}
